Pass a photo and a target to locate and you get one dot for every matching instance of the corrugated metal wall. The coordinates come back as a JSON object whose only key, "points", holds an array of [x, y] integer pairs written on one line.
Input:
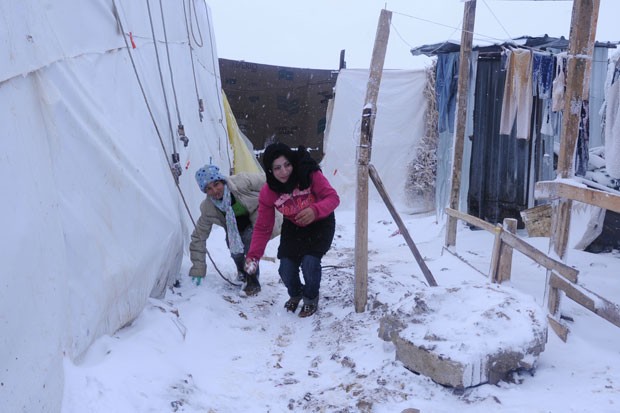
{"points": [[499, 163]]}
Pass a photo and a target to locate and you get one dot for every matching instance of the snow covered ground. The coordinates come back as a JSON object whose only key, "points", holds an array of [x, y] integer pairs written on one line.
{"points": [[207, 349]]}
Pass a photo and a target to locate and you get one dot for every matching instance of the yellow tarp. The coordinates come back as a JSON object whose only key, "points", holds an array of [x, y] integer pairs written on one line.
{"points": [[244, 159]]}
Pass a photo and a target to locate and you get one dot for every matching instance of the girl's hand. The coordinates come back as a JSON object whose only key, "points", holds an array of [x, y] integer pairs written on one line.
{"points": [[305, 217], [250, 266]]}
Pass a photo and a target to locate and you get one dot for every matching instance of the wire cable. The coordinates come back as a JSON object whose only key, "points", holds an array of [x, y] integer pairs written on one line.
{"points": [[496, 19], [181, 128], [191, 58], [159, 135], [161, 77]]}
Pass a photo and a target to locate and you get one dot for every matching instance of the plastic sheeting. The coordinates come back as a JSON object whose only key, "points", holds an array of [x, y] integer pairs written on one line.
{"points": [[399, 127], [243, 151], [93, 223]]}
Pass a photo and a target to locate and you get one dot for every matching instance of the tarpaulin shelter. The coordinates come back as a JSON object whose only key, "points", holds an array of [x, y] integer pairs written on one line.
{"points": [[96, 102], [398, 131]]}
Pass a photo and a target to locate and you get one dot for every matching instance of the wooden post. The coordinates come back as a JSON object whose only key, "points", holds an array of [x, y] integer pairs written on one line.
{"points": [[579, 63], [467, 35], [374, 175], [505, 256], [363, 158], [497, 246]]}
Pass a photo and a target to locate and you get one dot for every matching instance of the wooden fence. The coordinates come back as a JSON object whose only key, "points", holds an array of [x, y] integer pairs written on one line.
{"points": [[561, 276]]}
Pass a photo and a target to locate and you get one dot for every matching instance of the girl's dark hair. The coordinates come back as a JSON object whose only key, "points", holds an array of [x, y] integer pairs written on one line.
{"points": [[303, 166]]}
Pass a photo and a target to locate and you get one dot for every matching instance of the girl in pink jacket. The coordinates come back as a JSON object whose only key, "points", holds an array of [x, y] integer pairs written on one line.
{"points": [[297, 188]]}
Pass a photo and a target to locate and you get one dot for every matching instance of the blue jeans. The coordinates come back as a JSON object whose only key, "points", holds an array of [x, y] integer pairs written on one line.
{"points": [[311, 269]]}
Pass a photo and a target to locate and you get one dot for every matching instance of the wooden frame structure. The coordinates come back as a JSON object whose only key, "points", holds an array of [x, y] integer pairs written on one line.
{"points": [[581, 47], [561, 276], [364, 169]]}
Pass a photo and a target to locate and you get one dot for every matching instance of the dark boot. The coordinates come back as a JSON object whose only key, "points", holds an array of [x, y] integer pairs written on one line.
{"points": [[251, 286], [307, 310], [292, 303]]}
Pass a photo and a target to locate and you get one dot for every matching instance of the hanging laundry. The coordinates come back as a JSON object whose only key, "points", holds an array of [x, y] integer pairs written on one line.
{"points": [[612, 123], [550, 122], [559, 82], [542, 75], [446, 87], [583, 140], [517, 102]]}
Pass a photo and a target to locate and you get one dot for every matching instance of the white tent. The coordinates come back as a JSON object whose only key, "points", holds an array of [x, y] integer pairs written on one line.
{"points": [[93, 221], [398, 130]]}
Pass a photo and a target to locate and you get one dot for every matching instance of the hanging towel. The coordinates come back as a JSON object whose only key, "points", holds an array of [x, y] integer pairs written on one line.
{"points": [[517, 102]]}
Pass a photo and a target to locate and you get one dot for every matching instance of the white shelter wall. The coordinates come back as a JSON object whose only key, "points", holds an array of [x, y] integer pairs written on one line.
{"points": [[398, 129], [94, 223], [33, 317]]}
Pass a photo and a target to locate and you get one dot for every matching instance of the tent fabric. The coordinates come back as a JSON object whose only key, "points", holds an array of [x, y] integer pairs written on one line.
{"points": [[93, 222], [244, 159], [398, 129]]}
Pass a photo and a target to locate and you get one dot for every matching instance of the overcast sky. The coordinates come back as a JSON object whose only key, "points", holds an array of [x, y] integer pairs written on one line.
{"points": [[311, 33]]}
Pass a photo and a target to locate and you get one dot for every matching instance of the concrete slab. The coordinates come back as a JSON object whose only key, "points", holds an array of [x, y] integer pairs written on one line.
{"points": [[467, 335]]}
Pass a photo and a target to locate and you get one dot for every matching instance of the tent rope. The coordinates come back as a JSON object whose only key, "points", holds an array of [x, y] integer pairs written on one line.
{"points": [[159, 135], [161, 79], [201, 108], [201, 43], [181, 128]]}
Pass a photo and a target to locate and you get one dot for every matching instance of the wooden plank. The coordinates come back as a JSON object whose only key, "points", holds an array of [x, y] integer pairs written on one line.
{"points": [[560, 329], [540, 257], [497, 245], [360, 292], [363, 158], [559, 189], [553, 300], [374, 175], [467, 35], [517, 243], [470, 219], [505, 256], [560, 225], [588, 299]]}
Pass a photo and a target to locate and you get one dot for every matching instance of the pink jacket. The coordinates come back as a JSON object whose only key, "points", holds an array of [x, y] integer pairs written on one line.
{"points": [[320, 196]]}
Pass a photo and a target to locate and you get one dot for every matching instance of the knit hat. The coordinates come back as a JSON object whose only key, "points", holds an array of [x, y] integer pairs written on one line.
{"points": [[208, 174]]}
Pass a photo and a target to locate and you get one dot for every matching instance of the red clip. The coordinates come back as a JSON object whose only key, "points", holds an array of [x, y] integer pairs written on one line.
{"points": [[133, 44], [187, 164]]}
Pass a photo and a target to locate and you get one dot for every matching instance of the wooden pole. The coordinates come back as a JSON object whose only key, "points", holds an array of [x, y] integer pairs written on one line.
{"points": [[363, 158], [467, 35], [501, 260], [374, 175], [505, 256], [579, 63]]}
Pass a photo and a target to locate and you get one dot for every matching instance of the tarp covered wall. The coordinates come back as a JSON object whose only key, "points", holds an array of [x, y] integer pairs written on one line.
{"points": [[398, 129], [277, 103], [93, 222]]}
